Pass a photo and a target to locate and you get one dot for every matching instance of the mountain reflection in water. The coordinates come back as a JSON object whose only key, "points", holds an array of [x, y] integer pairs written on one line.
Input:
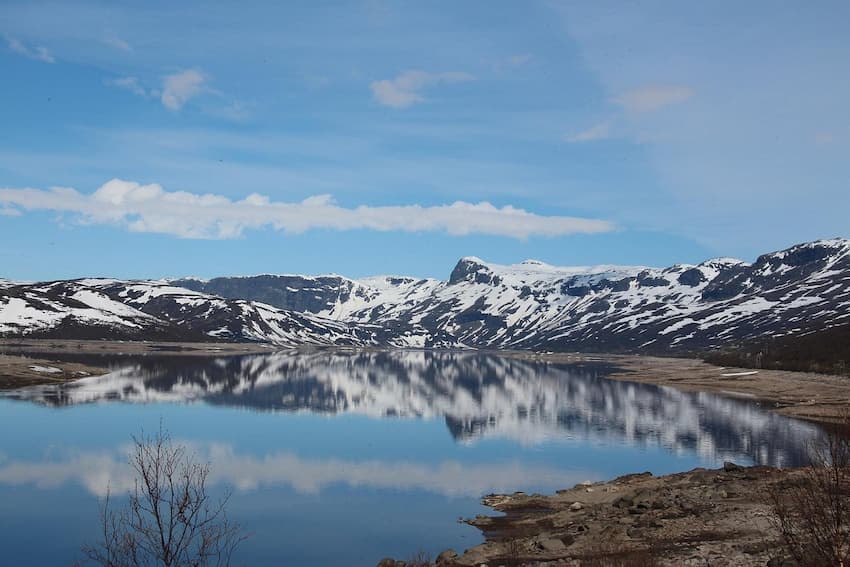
{"points": [[479, 395]]}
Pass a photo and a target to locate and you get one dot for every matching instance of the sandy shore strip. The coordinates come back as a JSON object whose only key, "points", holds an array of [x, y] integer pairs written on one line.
{"points": [[820, 398], [803, 395], [19, 371], [131, 347], [28, 362]]}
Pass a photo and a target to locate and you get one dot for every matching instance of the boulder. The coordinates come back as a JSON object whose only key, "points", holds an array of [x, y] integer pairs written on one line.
{"points": [[623, 502], [550, 544], [446, 557]]}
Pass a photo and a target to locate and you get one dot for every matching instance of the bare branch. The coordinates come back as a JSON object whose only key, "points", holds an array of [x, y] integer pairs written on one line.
{"points": [[168, 520]]}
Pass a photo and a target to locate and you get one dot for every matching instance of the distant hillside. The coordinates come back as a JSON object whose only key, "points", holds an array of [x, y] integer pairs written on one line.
{"points": [[826, 351]]}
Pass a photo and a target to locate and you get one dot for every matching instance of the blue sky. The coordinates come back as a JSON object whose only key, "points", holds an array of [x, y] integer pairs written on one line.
{"points": [[163, 139]]}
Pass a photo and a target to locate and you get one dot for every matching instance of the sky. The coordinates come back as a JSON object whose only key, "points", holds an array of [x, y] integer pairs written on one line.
{"points": [[164, 139]]}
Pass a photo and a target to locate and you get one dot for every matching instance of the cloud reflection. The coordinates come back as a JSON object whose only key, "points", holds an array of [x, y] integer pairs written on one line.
{"points": [[98, 471]]}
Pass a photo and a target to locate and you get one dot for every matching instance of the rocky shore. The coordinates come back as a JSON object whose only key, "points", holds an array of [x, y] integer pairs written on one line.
{"points": [[19, 371], [29, 362], [717, 518]]}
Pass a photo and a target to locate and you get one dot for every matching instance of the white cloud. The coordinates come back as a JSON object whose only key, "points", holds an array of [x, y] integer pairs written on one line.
{"points": [[405, 90], [149, 208], [179, 88], [128, 83], [38, 53], [650, 98], [601, 131], [117, 43]]}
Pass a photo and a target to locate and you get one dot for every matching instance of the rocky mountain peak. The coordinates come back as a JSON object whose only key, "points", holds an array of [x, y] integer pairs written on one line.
{"points": [[472, 269]]}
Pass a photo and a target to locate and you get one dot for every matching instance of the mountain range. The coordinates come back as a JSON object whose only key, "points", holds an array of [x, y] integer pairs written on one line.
{"points": [[531, 305]]}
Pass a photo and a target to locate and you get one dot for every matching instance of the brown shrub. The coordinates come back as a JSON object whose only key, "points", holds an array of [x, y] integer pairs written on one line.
{"points": [[812, 511]]}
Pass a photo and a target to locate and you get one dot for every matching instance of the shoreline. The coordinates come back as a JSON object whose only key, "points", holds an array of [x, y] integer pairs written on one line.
{"points": [[27, 362], [820, 398], [83, 346], [719, 517], [17, 371]]}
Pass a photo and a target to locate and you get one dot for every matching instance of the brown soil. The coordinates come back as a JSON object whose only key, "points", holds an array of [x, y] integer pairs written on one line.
{"points": [[701, 517]]}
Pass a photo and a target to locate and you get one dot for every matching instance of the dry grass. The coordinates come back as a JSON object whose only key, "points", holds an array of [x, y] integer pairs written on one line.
{"points": [[419, 559], [622, 558], [812, 512]]}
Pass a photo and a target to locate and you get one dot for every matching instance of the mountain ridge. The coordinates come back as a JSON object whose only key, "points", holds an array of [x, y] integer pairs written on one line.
{"points": [[530, 305]]}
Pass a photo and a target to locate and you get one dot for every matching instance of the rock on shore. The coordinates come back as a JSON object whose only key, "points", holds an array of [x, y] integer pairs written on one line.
{"points": [[696, 518]]}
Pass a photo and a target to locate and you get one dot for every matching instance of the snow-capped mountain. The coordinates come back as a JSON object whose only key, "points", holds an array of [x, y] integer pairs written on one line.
{"points": [[157, 310], [534, 305], [527, 306]]}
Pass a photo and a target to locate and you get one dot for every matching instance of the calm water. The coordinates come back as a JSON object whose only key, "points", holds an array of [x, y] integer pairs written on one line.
{"points": [[341, 458]]}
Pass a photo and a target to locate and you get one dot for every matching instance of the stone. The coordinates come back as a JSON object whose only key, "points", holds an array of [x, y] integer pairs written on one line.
{"points": [[729, 466], [623, 502], [781, 562], [550, 544], [386, 562], [576, 506], [446, 557]]}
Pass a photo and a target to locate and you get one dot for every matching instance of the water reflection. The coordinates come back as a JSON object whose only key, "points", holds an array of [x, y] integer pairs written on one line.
{"points": [[103, 471], [478, 395]]}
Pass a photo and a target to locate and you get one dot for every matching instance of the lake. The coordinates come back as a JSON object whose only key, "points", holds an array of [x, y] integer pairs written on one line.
{"points": [[339, 458]]}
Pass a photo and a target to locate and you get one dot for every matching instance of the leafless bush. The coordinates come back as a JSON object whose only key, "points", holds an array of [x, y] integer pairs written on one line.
{"points": [[169, 519], [419, 559], [617, 554], [514, 549], [634, 558], [812, 511]]}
